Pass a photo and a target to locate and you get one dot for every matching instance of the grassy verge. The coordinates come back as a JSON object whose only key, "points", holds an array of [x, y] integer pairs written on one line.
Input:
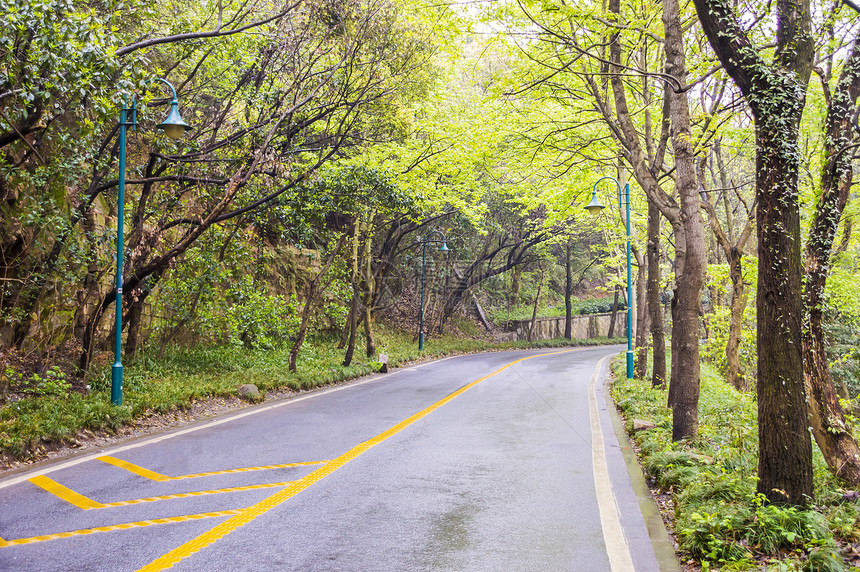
{"points": [[719, 521], [183, 376]]}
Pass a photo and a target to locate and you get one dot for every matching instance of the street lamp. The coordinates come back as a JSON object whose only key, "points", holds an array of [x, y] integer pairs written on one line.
{"points": [[444, 248], [594, 207], [173, 127]]}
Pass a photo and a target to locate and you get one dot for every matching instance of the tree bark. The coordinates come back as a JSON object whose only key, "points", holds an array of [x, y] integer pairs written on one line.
{"points": [[688, 288], [614, 317], [642, 317], [537, 304], [658, 338]]}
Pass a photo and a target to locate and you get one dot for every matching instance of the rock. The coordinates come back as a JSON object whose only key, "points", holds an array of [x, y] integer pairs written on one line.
{"points": [[249, 392], [703, 459], [642, 425], [850, 496]]}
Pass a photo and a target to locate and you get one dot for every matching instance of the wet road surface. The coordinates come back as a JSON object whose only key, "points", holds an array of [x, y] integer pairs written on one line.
{"points": [[498, 461]]}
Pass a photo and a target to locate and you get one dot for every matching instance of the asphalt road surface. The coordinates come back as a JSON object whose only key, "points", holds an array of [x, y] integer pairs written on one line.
{"points": [[494, 462]]}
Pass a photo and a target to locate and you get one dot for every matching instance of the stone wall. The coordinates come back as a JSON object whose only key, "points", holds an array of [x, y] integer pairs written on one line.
{"points": [[582, 326]]}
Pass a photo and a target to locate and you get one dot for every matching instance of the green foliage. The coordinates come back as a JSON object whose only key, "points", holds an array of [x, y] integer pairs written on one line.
{"points": [[578, 307], [719, 519], [599, 305], [28, 424]]}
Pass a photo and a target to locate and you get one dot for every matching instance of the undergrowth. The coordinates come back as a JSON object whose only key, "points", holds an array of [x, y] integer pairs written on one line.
{"points": [[155, 386], [719, 520]]}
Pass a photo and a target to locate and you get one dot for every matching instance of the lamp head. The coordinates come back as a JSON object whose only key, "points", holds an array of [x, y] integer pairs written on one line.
{"points": [[444, 247], [595, 206], [174, 126]]}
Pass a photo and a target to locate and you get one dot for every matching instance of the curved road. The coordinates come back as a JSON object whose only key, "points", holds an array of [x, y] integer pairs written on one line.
{"points": [[498, 461]]}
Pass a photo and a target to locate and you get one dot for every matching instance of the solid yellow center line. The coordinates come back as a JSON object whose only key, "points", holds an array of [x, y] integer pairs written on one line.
{"points": [[152, 475], [113, 527], [247, 515], [65, 493]]}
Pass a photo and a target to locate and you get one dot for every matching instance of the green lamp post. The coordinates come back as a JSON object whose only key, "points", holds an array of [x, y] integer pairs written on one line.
{"points": [[444, 248], [173, 127], [594, 207]]}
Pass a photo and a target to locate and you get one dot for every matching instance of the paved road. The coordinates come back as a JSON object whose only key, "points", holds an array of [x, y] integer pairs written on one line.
{"points": [[499, 462]]}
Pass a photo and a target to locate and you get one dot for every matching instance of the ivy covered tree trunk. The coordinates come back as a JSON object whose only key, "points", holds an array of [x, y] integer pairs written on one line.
{"points": [[829, 425], [776, 94], [785, 447]]}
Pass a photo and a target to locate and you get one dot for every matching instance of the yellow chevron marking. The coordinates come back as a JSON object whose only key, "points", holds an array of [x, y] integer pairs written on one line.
{"points": [[65, 493], [195, 494], [152, 475], [86, 503], [247, 515], [113, 527]]}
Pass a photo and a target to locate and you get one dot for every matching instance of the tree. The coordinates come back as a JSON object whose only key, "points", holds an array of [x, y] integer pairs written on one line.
{"points": [[829, 425], [776, 94]]}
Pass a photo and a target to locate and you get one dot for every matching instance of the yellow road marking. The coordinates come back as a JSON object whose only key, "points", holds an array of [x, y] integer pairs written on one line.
{"points": [[152, 475], [196, 494], [65, 493], [247, 515], [87, 503], [113, 527], [3, 543]]}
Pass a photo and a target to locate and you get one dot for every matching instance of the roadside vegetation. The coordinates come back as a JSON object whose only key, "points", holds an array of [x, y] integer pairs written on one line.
{"points": [[707, 486]]}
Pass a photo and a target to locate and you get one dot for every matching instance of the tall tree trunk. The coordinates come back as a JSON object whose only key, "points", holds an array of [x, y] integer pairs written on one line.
{"points": [[369, 286], [568, 292], [829, 426], [658, 338], [642, 317], [356, 295], [776, 94], [736, 318], [784, 440], [537, 304], [686, 225], [613, 318], [353, 326], [688, 287]]}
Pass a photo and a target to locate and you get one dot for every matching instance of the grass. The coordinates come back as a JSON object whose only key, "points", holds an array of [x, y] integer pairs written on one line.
{"points": [[719, 519], [182, 376]]}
